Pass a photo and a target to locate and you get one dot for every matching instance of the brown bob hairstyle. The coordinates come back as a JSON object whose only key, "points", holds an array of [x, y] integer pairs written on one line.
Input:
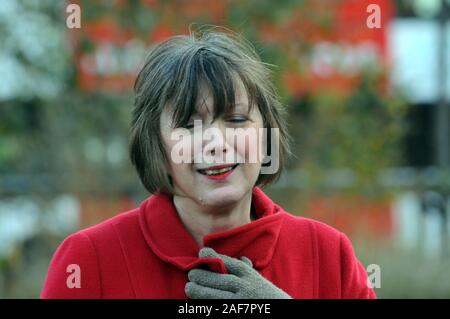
{"points": [[171, 77]]}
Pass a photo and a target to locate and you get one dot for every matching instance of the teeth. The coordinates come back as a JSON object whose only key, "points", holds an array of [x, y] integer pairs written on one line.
{"points": [[218, 171]]}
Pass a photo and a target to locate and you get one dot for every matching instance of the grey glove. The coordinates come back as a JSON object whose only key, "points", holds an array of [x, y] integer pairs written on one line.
{"points": [[242, 282]]}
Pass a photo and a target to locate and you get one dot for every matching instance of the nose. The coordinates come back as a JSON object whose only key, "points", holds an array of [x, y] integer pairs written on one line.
{"points": [[214, 142]]}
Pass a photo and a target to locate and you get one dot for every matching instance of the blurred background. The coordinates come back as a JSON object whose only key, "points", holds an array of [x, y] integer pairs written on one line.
{"points": [[368, 107]]}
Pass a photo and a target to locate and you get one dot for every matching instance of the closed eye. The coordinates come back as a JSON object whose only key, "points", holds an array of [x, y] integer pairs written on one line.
{"points": [[237, 120]]}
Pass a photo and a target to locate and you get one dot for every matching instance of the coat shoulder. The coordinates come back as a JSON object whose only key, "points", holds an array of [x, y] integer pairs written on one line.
{"points": [[334, 258], [128, 219], [323, 232], [75, 270]]}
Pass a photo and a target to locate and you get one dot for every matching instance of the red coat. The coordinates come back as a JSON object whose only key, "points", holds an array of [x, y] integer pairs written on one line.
{"points": [[147, 252]]}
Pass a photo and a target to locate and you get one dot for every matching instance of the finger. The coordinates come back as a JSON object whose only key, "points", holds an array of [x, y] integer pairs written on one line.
{"points": [[195, 291], [247, 261], [233, 265], [215, 280]]}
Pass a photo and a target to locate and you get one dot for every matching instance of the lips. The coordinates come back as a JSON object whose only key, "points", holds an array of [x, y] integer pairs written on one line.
{"points": [[217, 170]]}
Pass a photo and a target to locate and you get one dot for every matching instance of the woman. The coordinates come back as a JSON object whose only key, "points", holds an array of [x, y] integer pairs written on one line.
{"points": [[208, 230]]}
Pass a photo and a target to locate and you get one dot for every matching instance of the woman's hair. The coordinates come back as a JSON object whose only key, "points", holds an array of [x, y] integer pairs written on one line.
{"points": [[171, 77]]}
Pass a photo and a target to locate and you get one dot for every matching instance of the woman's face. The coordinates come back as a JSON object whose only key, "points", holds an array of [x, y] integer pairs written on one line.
{"points": [[222, 167]]}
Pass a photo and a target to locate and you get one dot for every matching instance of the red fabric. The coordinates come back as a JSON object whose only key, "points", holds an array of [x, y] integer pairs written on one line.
{"points": [[147, 252]]}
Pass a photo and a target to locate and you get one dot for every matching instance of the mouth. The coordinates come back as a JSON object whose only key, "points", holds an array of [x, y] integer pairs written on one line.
{"points": [[218, 170]]}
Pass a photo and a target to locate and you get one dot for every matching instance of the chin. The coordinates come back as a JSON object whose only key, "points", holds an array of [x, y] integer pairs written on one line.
{"points": [[223, 196]]}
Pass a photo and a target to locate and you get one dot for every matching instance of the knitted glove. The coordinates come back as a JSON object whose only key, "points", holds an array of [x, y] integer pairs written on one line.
{"points": [[242, 282]]}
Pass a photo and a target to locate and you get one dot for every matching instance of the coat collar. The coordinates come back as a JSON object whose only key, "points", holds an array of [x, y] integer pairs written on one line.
{"points": [[170, 241]]}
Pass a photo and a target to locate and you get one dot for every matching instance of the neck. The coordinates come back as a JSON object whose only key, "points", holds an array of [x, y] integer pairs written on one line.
{"points": [[204, 220]]}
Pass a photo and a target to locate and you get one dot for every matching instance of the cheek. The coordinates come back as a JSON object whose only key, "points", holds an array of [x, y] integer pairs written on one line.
{"points": [[196, 146], [249, 146], [181, 173], [179, 159], [249, 149], [178, 147]]}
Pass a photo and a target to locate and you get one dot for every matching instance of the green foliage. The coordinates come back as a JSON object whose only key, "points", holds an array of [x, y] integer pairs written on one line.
{"points": [[360, 133]]}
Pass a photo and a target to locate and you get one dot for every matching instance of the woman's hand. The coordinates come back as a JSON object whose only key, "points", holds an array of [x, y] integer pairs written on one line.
{"points": [[242, 282]]}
